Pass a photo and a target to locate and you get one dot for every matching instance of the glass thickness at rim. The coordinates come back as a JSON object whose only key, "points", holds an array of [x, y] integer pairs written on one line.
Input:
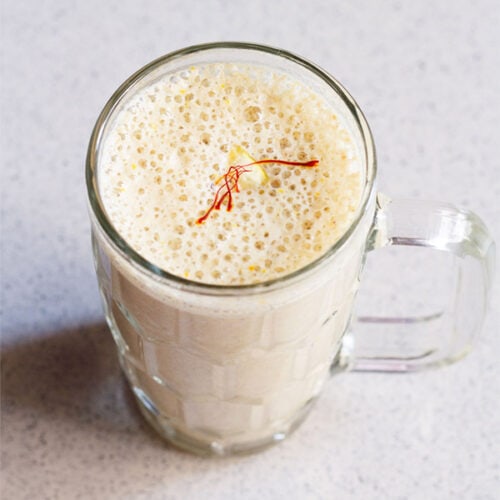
{"points": [[119, 243]]}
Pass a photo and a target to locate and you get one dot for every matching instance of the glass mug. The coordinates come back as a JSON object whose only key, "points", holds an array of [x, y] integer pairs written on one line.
{"points": [[231, 369]]}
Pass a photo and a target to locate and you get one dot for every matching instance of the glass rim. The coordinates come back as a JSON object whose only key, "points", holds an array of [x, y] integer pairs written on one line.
{"points": [[120, 244]]}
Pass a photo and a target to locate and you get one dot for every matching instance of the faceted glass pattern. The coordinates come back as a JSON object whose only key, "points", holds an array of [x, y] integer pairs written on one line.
{"points": [[221, 379]]}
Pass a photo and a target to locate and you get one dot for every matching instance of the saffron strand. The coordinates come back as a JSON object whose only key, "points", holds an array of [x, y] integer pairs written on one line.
{"points": [[231, 178], [311, 163]]}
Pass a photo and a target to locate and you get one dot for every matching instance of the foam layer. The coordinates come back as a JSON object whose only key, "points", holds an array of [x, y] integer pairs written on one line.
{"points": [[161, 161]]}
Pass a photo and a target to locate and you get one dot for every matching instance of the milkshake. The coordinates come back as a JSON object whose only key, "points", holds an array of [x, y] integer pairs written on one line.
{"points": [[228, 179], [177, 138]]}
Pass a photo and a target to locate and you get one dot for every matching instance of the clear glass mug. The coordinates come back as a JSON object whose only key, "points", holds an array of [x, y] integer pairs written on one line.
{"points": [[231, 369]]}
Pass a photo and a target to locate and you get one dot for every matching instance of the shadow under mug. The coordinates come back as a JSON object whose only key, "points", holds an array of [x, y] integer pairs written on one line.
{"points": [[232, 369]]}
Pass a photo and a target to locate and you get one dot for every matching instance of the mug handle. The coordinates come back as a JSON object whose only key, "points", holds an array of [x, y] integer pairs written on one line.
{"points": [[408, 344]]}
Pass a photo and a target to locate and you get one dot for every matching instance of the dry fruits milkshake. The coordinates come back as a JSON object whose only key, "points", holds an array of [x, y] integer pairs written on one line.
{"points": [[202, 132], [227, 183]]}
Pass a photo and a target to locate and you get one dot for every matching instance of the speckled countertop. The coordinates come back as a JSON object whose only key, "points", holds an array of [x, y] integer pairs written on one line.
{"points": [[427, 76]]}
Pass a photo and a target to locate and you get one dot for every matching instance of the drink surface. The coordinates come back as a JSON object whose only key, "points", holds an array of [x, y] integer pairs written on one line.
{"points": [[165, 158]]}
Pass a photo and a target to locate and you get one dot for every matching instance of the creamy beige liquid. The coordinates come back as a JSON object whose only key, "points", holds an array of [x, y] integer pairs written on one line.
{"points": [[168, 149], [228, 373]]}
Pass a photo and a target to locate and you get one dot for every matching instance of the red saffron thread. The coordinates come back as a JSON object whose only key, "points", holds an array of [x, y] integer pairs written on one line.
{"points": [[231, 178]]}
